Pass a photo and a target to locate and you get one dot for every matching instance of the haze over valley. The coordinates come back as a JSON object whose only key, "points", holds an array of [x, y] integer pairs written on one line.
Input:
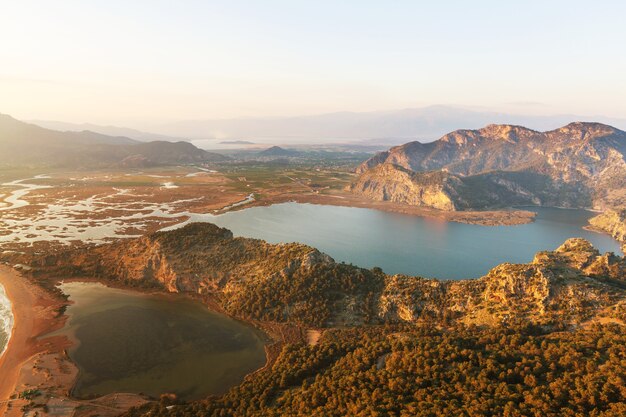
{"points": [[312, 209], [391, 127]]}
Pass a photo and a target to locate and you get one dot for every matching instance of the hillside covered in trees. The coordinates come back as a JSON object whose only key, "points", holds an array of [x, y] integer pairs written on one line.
{"points": [[545, 338], [413, 371], [295, 283]]}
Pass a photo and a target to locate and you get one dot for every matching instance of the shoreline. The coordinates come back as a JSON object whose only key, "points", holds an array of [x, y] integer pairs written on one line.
{"points": [[509, 216], [33, 316], [8, 329], [37, 359], [273, 334], [599, 230]]}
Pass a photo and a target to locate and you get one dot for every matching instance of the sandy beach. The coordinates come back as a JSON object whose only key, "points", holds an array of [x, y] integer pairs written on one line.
{"points": [[36, 361], [34, 314]]}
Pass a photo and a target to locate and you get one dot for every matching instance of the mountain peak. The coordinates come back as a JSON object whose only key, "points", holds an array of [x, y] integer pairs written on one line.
{"points": [[587, 127], [505, 128], [506, 131], [515, 164], [278, 151], [510, 133]]}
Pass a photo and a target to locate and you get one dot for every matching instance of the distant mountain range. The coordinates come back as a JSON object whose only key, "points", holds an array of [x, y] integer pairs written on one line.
{"points": [[105, 130], [377, 128], [391, 127], [23, 144], [578, 165], [236, 142]]}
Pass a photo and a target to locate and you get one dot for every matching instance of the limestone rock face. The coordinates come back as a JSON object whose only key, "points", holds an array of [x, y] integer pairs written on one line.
{"points": [[612, 222], [409, 298], [569, 285], [577, 253], [515, 287], [578, 165], [446, 191], [393, 183], [577, 150], [251, 278], [581, 257]]}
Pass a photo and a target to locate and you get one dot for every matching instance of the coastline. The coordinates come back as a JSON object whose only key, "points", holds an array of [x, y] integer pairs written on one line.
{"points": [[596, 229], [496, 217], [277, 333], [33, 315], [274, 335], [36, 359], [7, 325]]}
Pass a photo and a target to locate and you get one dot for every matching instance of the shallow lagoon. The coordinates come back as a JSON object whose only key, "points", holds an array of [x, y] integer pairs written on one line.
{"points": [[141, 343]]}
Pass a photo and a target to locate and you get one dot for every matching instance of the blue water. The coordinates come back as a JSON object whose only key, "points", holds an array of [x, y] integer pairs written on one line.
{"points": [[400, 243]]}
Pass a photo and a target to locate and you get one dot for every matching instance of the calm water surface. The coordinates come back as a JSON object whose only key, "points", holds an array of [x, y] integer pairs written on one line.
{"points": [[140, 343], [407, 244]]}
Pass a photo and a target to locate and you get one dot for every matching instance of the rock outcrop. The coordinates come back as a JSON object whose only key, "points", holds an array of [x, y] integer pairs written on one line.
{"points": [[393, 183], [578, 165], [576, 151], [571, 284], [445, 191], [296, 283], [612, 222]]}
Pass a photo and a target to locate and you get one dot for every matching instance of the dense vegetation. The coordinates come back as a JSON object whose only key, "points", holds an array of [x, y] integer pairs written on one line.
{"points": [[400, 371], [249, 278], [309, 296], [297, 284], [516, 342]]}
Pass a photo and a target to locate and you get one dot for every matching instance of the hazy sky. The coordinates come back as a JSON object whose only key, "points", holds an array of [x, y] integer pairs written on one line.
{"points": [[127, 61]]}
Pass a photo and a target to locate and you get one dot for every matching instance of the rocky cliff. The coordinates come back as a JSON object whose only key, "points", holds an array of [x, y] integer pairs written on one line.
{"points": [[388, 182], [445, 191], [295, 283], [583, 164], [612, 222], [571, 284]]}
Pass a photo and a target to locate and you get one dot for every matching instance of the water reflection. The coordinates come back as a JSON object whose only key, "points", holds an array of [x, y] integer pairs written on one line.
{"points": [[407, 244]]}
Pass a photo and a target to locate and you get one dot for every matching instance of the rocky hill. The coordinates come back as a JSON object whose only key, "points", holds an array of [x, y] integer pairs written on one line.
{"points": [[388, 182], [295, 283], [168, 153], [23, 144], [612, 222], [578, 165], [573, 283], [278, 152], [446, 191]]}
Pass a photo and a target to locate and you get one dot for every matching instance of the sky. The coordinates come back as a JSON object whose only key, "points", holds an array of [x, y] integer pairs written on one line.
{"points": [[129, 62]]}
